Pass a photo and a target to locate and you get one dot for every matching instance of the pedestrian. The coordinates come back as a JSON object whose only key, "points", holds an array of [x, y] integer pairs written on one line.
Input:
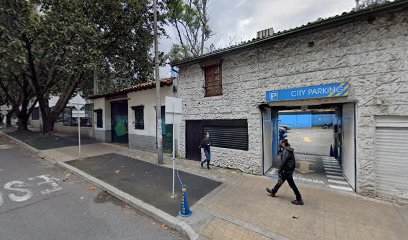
{"points": [[285, 172], [205, 145]]}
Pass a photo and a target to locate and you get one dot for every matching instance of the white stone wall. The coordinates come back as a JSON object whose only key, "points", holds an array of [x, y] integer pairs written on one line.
{"points": [[373, 57]]}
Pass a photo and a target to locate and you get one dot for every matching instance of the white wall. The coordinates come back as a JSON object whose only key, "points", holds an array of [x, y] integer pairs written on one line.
{"points": [[147, 98]]}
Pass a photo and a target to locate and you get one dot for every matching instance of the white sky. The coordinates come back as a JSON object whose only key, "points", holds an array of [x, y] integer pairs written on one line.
{"points": [[236, 20]]}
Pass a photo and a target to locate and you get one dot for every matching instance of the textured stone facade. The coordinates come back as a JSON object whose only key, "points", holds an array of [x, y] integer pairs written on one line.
{"points": [[371, 55]]}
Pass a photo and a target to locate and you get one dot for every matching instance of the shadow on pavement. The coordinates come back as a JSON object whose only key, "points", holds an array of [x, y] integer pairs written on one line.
{"points": [[146, 181], [41, 142]]}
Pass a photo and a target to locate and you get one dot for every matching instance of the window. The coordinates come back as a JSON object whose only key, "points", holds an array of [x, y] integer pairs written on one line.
{"points": [[99, 122], [228, 133], [213, 80], [139, 117], [35, 115]]}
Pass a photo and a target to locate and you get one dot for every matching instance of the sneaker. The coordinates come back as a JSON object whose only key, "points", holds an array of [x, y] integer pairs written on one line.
{"points": [[298, 202], [270, 191]]}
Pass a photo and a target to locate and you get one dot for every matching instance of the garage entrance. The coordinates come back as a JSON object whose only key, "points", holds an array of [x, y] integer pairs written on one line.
{"points": [[323, 137]]}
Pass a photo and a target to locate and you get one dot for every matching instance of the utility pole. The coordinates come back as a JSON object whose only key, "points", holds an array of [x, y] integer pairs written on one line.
{"points": [[159, 138]]}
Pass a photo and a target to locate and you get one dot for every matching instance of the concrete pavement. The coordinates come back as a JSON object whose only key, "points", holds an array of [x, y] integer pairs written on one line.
{"points": [[241, 209], [38, 201]]}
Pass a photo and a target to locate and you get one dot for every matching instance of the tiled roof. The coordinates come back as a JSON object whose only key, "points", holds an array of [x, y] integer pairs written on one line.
{"points": [[309, 27], [135, 88]]}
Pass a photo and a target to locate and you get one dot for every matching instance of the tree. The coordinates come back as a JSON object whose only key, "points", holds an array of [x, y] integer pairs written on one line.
{"points": [[190, 20], [361, 4], [65, 41], [16, 90]]}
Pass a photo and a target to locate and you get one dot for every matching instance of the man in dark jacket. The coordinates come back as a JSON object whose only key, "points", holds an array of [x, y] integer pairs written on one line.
{"points": [[285, 172], [206, 144]]}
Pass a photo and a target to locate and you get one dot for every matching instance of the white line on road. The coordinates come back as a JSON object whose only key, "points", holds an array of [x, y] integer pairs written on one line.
{"points": [[335, 177], [338, 182], [341, 188], [334, 173]]}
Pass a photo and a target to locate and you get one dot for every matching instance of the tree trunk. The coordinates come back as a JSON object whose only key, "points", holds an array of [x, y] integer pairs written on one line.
{"points": [[23, 121], [48, 125], [8, 119]]}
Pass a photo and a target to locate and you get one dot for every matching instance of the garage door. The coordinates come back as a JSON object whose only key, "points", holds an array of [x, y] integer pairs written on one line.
{"points": [[391, 158]]}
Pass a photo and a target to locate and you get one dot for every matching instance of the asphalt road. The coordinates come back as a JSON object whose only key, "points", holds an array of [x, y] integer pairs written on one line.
{"points": [[39, 201]]}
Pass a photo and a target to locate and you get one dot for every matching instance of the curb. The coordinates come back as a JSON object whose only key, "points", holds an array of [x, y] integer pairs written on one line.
{"points": [[148, 209], [161, 216], [26, 146]]}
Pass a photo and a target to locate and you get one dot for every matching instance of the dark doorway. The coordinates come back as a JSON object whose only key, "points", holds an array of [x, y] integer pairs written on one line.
{"points": [[119, 116], [167, 133], [194, 131]]}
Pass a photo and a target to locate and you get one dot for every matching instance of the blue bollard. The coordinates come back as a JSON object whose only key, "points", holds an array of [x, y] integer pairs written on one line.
{"points": [[185, 209]]}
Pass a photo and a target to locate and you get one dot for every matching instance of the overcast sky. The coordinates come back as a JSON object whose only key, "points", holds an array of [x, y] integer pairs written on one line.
{"points": [[237, 20]]}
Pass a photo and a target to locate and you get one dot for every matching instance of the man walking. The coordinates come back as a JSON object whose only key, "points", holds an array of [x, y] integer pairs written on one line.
{"points": [[285, 172], [205, 144]]}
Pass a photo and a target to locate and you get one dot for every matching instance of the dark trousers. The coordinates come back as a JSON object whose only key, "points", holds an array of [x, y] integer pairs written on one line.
{"points": [[287, 177], [207, 156]]}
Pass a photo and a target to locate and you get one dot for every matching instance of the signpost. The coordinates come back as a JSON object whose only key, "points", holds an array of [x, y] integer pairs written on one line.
{"points": [[78, 114], [322, 91], [173, 116]]}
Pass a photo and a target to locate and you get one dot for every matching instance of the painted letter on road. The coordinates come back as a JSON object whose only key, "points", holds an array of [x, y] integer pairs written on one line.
{"points": [[16, 186]]}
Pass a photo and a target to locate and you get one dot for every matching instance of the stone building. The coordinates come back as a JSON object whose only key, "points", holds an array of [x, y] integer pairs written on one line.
{"points": [[363, 54]]}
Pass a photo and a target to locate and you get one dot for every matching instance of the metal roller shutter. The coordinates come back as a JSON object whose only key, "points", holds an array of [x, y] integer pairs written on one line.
{"points": [[391, 158]]}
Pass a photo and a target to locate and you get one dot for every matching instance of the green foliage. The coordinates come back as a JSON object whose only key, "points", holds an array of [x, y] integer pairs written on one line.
{"points": [[190, 19], [58, 44]]}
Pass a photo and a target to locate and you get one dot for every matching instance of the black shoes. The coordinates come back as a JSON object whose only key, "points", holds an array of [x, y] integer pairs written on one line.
{"points": [[208, 167], [202, 164], [270, 191], [298, 202]]}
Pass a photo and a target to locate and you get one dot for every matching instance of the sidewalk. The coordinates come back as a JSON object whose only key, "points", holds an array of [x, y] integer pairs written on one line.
{"points": [[241, 209]]}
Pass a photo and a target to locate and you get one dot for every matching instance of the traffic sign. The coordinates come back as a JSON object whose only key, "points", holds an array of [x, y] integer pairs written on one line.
{"points": [[76, 113]]}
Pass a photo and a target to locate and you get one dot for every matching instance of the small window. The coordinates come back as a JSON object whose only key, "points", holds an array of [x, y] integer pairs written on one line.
{"points": [[213, 80], [99, 119], [35, 115], [139, 117]]}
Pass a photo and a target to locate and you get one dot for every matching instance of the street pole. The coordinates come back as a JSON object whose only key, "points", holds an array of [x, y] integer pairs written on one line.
{"points": [[79, 137], [158, 105], [174, 148]]}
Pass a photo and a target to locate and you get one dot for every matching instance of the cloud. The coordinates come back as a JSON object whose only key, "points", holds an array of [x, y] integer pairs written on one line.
{"points": [[234, 21]]}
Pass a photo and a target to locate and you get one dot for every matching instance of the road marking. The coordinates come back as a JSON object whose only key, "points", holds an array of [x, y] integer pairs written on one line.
{"points": [[341, 188], [17, 187], [334, 170], [336, 177], [338, 182], [334, 173], [20, 191]]}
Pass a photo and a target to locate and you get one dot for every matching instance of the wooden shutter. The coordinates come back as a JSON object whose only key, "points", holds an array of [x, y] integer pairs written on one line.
{"points": [[213, 80]]}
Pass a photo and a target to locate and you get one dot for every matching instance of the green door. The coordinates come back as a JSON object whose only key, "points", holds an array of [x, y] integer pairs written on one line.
{"points": [[119, 114], [167, 133]]}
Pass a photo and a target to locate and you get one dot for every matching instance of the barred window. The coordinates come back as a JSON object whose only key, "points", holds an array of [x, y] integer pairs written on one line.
{"points": [[99, 119], [213, 80], [139, 117]]}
